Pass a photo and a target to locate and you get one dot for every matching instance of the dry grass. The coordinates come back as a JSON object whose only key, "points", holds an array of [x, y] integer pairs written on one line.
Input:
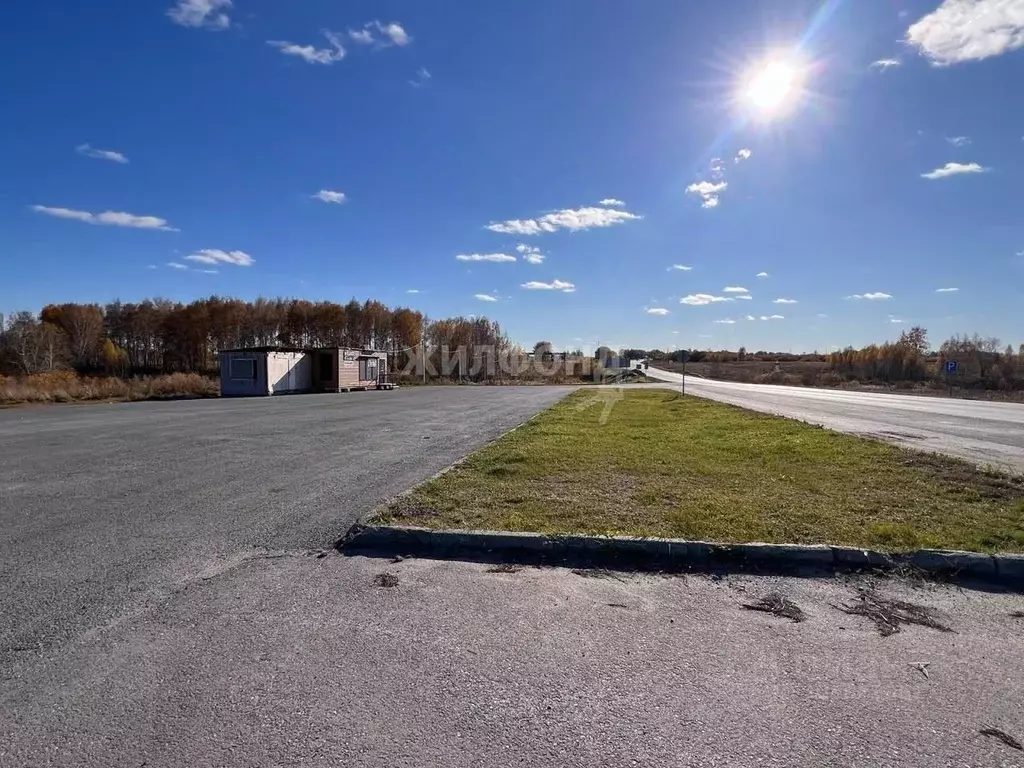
{"points": [[67, 387], [777, 605], [684, 467]]}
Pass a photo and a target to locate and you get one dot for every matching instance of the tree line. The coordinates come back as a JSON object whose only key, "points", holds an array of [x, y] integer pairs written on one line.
{"points": [[160, 336], [981, 362]]}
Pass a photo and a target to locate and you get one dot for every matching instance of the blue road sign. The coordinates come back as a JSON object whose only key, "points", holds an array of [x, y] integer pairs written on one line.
{"points": [[952, 366]]}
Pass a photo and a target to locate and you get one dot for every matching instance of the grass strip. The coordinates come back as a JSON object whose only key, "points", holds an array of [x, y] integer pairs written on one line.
{"points": [[655, 463]]}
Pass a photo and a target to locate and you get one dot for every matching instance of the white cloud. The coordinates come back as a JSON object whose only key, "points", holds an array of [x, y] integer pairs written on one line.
{"points": [[784, 301], [210, 271], [494, 257], [958, 141], [735, 289], [953, 169], [612, 202], [745, 297], [101, 154], [969, 30], [703, 299], [679, 268], [877, 296], [946, 290], [485, 297], [743, 154], [394, 33], [571, 219], [201, 13], [717, 167], [312, 55], [413, 290], [660, 311], [776, 317], [554, 285], [762, 274], [176, 265], [883, 64], [751, 317], [708, 191], [421, 79], [107, 218], [530, 254], [329, 196], [213, 256], [726, 322], [896, 320]]}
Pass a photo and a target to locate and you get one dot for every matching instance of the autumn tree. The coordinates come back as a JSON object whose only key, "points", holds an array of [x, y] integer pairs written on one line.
{"points": [[28, 345], [82, 324]]}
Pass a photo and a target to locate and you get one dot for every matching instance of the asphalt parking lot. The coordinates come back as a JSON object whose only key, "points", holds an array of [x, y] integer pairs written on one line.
{"points": [[286, 659], [106, 507], [169, 597]]}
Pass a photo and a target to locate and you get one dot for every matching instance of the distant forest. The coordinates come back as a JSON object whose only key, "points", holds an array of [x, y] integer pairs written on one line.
{"points": [[158, 336]]}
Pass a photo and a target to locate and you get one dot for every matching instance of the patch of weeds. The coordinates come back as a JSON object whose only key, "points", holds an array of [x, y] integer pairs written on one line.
{"points": [[502, 470], [594, 573], [385, 580], [504, 568], [895, 535], [1003, 736], [777, 605], [890, 615]]}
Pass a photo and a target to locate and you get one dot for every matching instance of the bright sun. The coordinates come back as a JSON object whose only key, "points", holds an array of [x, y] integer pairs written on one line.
{"points": [[771, 88]]}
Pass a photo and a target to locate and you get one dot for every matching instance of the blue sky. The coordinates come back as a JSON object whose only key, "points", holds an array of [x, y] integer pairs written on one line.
{"points": [[327, 150]]}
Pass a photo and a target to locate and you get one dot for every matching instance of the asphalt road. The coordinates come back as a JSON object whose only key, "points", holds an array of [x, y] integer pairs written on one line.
{"points": [[983, 432], [107, 508]]}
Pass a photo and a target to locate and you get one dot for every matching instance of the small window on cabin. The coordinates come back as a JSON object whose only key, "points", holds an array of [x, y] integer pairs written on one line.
{"points": [[243, 368]]}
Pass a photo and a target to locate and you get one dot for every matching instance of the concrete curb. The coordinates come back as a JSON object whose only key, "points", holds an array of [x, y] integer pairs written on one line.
{"points": [[635, 553]]}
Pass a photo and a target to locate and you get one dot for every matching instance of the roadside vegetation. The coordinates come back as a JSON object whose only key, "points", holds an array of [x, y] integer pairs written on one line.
{"points": [[69, 387], [672, 466]]}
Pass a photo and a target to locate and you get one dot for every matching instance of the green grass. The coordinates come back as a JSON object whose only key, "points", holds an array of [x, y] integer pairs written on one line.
{"points": [[682, 467]]}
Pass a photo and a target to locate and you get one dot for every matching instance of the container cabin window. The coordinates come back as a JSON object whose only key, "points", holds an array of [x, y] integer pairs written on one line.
{"points": [[243, 368]]}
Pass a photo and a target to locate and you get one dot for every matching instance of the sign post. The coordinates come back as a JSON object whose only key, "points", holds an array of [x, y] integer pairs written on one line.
{"points": [[952, 366]]}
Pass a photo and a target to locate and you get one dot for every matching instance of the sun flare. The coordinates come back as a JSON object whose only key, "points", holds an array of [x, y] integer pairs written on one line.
{"points": [[771, 88]]}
